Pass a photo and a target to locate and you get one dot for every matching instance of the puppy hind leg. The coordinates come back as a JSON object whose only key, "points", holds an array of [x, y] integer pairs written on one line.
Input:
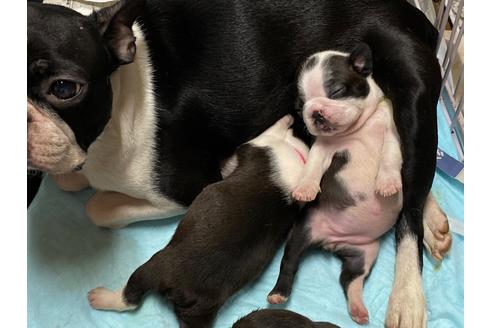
{"points": [[297, 243], [130, 296], [356, 265], [101, 298]]}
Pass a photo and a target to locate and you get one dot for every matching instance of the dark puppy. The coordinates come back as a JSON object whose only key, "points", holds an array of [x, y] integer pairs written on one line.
{"points": [[229, 234], [206, 77], [273, 318]]}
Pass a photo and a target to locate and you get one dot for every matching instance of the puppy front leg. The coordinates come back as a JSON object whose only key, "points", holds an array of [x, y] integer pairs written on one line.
{"points": [[280, 128], [318, 161], [388, 179]]}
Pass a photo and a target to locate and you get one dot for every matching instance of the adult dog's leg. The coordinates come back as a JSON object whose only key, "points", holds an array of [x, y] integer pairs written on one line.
{"points": [[73, 181], [410, 77], [115, 210]]}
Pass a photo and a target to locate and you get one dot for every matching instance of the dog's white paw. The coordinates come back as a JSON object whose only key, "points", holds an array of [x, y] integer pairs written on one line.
{"points": [[437, 236], [277, 298], [388, 184], [358, 312], [406, 307], [101, 298], [305, 192]]}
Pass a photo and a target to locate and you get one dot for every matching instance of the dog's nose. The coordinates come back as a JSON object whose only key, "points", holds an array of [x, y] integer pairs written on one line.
{"points": [[318, 118]]}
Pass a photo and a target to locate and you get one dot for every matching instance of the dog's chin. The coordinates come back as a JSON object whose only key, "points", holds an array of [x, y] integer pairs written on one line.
{"points": [[73, 161], [325, 130], [54, 170]]}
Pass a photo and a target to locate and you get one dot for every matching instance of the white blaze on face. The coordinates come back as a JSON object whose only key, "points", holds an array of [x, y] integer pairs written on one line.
{"points": [[328, 117], [311, 82]]}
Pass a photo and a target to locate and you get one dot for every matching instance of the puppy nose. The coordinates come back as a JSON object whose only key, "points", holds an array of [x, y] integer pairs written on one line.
{"points": [[318, 118]]}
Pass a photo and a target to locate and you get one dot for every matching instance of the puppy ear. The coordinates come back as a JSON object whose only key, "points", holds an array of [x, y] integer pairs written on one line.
{"points": [[361, 59], [115, 25]]}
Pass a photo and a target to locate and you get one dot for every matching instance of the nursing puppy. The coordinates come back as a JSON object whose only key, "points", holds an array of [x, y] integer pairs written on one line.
{"points": [[186, 82], [229, 234], [276, 318], [357, 153]]}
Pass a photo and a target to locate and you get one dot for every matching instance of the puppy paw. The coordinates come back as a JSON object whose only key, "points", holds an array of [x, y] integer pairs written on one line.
{"points": [[288, 120], [276, 298], [388, 184], [359, 313], [406, 308], [305, 192], [101, 298]]}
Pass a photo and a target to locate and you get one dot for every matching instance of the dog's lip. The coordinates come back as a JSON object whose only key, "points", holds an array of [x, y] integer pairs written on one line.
{"points": [[79, 167], [325, 127]]}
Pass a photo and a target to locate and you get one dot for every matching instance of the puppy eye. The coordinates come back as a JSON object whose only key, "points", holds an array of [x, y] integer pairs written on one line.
{"points": [[64, 89], [337, 92]]}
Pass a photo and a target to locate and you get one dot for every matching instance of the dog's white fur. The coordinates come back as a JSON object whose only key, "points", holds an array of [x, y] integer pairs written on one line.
{"points": [[121, 160], [406, 307], [283, 144]]}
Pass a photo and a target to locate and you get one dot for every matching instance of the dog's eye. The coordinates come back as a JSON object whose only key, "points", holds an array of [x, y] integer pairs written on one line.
{"points": [[64, 89], [337, 92]]}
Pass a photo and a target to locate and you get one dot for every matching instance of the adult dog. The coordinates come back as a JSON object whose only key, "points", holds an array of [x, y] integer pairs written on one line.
{"points": [[206, 76]]}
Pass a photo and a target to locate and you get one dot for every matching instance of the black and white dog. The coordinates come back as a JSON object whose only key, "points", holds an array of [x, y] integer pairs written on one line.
{"points": [[204, 77], [230, 233]]}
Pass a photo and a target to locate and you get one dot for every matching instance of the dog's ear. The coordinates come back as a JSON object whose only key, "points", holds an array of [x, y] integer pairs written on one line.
{"points": [[361, 59], [115, 25]]}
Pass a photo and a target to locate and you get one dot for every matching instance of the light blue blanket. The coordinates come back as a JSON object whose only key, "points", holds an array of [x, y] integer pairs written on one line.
{"points": [[68, 256]]}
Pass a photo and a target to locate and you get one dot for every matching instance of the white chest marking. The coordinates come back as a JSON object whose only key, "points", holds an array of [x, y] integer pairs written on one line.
{"points": [[122, 158]]}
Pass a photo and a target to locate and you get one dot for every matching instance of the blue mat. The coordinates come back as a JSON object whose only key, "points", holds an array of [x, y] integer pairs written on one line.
{"points": [[68, 256]]}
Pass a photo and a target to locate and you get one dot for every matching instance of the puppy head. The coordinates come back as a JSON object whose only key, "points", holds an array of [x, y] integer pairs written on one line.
{"points": [[70, 58], [335, 88]]}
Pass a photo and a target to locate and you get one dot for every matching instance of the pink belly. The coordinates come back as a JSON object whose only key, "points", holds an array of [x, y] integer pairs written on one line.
{"points": [[361, 224]]}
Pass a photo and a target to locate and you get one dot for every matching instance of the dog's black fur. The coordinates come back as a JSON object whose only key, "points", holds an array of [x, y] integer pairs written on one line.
{"points": [[225, 70], [229, 234], [275, 318]]}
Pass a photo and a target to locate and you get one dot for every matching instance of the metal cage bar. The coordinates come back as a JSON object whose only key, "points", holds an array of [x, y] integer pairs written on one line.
{"points": [[449, 13]]}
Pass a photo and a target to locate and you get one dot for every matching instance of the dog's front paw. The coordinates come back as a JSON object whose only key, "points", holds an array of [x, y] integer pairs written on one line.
{"points": [[388, 184], [406, 308], [306, 192], [437, 236]]}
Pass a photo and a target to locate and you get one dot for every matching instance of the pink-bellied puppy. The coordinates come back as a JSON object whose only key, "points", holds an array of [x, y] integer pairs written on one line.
{"points": [[356, 159]]}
